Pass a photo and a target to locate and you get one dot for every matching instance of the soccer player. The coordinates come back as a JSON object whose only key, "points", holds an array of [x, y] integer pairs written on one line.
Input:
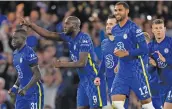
{"points": [[82, 54], [161, 53], [153, 78], [131, 48], [109, 60], [28, 87]]}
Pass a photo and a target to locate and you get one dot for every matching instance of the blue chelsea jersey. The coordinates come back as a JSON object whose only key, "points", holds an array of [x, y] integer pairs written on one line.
{"points": [[127, 38], [23, 59], [82, 43], [164, 68], [108, 58]]}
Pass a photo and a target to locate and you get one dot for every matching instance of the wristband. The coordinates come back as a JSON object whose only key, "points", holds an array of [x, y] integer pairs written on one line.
{"points": [[15, 86]]}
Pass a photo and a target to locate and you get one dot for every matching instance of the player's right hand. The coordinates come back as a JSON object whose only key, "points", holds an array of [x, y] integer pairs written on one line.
{"points": [[152, 61], [13, 91], [97, 81], [116, 69], [25, 22]]}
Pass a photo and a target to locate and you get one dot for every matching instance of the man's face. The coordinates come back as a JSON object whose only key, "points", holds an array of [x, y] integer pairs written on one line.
{"points": [[68, 26], [17, 40], [120, 12], [111, 22], [158, 30]]}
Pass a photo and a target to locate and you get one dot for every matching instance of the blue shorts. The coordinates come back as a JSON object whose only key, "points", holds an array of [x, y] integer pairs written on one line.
{"points": [[139, 84], [109, 83], [90, 95], [156, 98], [166, 94], [34, 101]]}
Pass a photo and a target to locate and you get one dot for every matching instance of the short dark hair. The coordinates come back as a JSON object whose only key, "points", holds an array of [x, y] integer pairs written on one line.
{"points": [[158, 21], [126, 6], [22, 32], [111, 16]]}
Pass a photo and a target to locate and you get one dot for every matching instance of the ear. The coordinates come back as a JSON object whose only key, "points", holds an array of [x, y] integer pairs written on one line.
{"points": [[152, 29], [165, 29], [127, 11]]}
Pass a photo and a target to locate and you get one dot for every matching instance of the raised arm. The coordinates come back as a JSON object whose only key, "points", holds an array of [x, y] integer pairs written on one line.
{"points": [[41, 31]]}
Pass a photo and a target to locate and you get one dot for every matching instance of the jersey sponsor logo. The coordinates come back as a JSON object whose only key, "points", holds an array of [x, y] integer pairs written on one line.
{"points": [[166, 50], [120, 46], [109, 61], [125, 36]]}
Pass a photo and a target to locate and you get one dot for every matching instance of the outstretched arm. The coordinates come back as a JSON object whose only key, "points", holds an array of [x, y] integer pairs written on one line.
{"points": [[41, 31]]}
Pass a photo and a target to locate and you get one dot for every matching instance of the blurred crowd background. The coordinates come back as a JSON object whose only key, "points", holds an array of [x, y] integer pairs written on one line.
{"points": [[60, 85]]}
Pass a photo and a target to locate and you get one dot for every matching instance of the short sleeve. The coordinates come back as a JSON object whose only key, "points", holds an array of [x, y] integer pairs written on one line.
{"points": [[31, 57], [85, 44], [64, 37], [137, 32]]}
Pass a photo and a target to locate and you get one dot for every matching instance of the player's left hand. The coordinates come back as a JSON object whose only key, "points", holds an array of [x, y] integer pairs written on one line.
{"points": [[160, 56], [97, 81], [22, 92], [121, 53], [57, 63]]}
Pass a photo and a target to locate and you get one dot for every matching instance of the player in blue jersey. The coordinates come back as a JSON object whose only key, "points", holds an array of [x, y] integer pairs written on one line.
{"points": [[109, 60], [131, 48], [153, 79], [28, 87], [161, 53], [82, 54]]}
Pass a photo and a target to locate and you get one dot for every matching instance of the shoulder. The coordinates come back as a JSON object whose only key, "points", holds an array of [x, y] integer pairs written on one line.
{"points": [[169, 39], [104, 41], [114, 28], [151, 43], [135, 27], [15, 52], [84, 38], [28, 50]]}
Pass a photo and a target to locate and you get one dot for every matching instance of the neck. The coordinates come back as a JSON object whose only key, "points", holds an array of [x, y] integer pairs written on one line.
{"points": [[111, 37], [75, 33], [123, 22], [159, 40], [21, 46]]}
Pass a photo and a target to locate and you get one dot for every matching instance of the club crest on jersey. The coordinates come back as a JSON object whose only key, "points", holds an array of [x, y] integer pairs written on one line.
{"points": [[166, 50], [74, 47], [125, 36], [21, 60]]}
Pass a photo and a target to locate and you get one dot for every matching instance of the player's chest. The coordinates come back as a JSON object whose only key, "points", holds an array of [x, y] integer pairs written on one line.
{"points": [[74, 47], [164, 49], [123, 36], [108, 48], [18, 59]]}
